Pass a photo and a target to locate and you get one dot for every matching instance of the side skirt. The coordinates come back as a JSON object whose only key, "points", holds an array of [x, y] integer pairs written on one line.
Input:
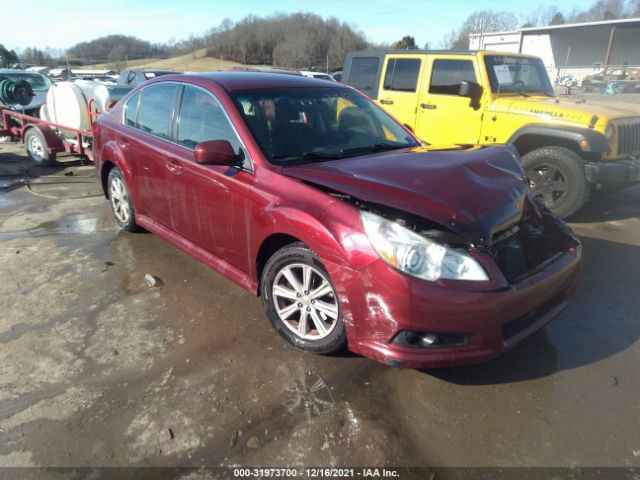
{"points": [[212, 261]]}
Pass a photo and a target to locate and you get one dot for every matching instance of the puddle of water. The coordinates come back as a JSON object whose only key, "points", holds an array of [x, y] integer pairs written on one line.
{"points": [[83, 224]]}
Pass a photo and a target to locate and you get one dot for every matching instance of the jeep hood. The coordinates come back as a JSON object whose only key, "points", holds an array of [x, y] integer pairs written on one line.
{"points": [[545, 108], [474, 191]]}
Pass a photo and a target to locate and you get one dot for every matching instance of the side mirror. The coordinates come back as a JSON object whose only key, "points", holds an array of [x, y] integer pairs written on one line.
{"points": [[470, 89], [215, 152]]}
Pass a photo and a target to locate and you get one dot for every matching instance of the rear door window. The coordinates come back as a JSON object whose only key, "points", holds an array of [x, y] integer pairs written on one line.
{"points": [[131, 110], [202, 118], [156, 109], [363, 73], [402, 74], [447, 75]]}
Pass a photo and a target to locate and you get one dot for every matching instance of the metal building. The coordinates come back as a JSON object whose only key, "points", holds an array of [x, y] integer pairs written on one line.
{"points": [[577, 49]]}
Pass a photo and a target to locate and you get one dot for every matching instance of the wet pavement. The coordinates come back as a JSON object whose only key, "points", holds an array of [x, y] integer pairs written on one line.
{"points": [[97, 368]]}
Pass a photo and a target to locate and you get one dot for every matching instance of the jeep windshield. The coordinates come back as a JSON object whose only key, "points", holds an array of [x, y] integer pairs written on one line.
{"points": [[514, 74], [304, 125]]}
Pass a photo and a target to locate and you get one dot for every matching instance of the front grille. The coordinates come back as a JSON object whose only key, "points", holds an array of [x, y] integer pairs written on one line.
{"points": [[628, 138], [520, 250]]}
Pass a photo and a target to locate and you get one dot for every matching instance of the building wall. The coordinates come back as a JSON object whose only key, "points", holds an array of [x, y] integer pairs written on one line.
{"points": [[577, 51], [501, 42], [588, 46]]}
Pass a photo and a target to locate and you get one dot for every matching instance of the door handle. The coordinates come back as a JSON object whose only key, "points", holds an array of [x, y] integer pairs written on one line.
{"points": [[174, 166], [386, 101], [428, 106]]}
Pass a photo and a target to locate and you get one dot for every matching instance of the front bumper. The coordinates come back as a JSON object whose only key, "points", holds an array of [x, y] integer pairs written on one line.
{"points": [[379, 302], [615, 172]]}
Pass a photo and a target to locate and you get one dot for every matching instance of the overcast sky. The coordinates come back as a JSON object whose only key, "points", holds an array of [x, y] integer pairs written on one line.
{"points": [[62, 23]]}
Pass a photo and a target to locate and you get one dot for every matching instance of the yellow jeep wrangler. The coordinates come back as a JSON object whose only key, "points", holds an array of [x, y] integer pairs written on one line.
{"points": [[568, 147]]}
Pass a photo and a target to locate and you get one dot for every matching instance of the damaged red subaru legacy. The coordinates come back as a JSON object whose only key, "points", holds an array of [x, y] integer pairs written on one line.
{"points": [[354, 233]]}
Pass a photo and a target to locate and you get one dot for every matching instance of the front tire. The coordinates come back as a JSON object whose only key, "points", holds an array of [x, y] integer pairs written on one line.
{"points": [[37, 148], [556, 176], [120, 201], [301, 300]]}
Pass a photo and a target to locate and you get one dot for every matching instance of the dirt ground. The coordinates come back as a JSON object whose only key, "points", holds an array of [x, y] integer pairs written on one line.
{"points": [[97, 368]]}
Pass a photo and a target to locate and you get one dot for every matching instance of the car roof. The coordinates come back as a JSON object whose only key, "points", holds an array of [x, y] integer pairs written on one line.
{"points": [[235, 81]]}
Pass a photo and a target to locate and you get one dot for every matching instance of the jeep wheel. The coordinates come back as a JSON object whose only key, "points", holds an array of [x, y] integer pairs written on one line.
{"points": [[556, 176]]}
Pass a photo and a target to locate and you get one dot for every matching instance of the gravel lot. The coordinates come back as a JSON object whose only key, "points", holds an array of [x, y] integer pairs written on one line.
{"points": [[99, 369]]}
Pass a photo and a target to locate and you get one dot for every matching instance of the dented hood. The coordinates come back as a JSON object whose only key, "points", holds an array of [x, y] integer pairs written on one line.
{"points": [[475, 191]]}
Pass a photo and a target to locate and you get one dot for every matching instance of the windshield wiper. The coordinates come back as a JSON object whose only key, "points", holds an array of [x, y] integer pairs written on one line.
{"points": [[374, 148], [308, 156]]}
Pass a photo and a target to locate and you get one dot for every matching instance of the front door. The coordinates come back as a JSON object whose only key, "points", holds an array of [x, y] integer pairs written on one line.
{"points": [[443, 116], [210, 201], [399, 90]]}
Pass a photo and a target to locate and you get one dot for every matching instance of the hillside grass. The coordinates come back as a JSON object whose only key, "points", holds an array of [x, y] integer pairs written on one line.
{"points": [[196, 61]]}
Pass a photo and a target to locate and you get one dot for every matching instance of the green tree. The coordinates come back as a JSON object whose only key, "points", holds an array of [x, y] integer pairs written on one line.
{"points": [[407, 43], [7, 57], [558, 19]]}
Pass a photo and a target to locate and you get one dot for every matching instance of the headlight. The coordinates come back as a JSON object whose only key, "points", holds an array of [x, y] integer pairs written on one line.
{"points": [[608, 132], [418, 256]]}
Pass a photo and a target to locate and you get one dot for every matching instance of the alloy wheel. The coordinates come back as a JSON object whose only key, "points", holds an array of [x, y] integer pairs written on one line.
{"points": [[305, 301], [119, 200]]}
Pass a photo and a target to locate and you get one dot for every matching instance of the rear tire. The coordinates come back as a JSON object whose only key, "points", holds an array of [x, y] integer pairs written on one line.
{"points": [[301, 300], [120, 201], [556, 176], [37, 148]]}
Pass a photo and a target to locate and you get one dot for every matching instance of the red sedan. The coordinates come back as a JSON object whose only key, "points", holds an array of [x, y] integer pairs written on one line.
{"points": [[354, 233]]}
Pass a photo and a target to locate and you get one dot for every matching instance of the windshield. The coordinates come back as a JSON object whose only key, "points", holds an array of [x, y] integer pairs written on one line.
{"points": [[301, 125], [517, 74], [39, 83]]}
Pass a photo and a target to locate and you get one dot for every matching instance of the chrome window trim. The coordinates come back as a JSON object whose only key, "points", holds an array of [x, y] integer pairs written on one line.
{"points": [[244, 148], [122, 120]]}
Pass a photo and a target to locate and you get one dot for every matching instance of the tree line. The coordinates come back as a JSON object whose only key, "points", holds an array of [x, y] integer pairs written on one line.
{"points": [[300, 40]]}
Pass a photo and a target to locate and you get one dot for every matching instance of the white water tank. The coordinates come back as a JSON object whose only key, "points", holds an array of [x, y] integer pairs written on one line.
{"points": [[68, 104]]}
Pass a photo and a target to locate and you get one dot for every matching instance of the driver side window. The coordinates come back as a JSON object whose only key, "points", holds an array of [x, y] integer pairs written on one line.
{"points": [[447, 75], [202, 118]]}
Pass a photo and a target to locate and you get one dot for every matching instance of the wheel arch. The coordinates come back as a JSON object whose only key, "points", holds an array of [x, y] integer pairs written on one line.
{"points": [[269, 246], [326, 239], [111, 158], [585, 142]]}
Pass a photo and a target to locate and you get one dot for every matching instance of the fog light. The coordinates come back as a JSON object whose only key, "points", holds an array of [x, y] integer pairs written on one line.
{"points": [[409, 338]]}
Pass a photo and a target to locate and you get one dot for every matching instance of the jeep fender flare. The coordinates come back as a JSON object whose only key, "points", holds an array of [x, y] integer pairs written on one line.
{"points": [[585, 139]]}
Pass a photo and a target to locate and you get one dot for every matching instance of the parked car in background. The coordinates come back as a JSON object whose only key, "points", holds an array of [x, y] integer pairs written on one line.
{"points": [[133, 77], [39, 83], [318, 75], [353, 233], [600, 81], [568, 148]]}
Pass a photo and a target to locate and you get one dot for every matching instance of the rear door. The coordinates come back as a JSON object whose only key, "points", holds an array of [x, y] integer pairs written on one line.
{"points": [[443, 116], [402, 74], [146, 147]]}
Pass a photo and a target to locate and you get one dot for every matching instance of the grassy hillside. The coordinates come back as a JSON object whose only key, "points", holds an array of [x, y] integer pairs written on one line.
{"points": [[192, 62]]}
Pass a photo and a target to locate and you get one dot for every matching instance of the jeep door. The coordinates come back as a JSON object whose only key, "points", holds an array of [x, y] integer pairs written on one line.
{"points": [[443, 116], [398, 92]]}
